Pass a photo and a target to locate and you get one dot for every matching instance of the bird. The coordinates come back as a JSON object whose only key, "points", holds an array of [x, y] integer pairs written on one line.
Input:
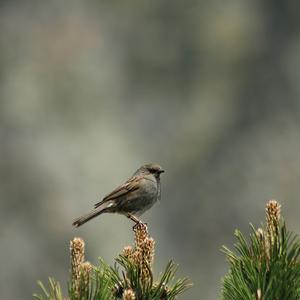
{"points": [[132, 198]]}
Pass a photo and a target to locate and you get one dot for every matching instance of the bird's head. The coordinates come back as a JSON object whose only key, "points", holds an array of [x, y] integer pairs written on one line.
{"points": [[154, 169]]}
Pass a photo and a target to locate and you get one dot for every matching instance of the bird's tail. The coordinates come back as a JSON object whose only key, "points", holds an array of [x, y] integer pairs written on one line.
{"points": [[94, 213]]}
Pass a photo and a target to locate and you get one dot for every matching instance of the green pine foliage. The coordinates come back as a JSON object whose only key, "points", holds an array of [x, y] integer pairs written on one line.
{"points": [[109, 283], [266, 267], [52, 292], [165, 288]]}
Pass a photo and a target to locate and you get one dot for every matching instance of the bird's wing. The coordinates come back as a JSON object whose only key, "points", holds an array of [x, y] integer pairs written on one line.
{"points": [[130, 185]]}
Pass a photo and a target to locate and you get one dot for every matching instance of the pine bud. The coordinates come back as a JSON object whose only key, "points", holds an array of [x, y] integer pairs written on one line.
{"points": [[128, 294], [86, 269], [77, 259], [128, 252], [272, 219]]}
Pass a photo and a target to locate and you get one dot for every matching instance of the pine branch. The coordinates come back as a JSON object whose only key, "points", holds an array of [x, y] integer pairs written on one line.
{"points": [[131, 278], [266, 266]]}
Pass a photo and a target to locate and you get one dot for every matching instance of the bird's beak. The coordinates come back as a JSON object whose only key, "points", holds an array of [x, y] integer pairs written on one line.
{"points": [[161, 171]]}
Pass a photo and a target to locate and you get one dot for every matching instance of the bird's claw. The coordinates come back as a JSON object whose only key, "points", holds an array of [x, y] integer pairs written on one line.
{"points": [[139, 223]]}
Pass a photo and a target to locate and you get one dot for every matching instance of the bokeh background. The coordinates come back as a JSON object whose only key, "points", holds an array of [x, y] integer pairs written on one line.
{"points": [[90, 90]]}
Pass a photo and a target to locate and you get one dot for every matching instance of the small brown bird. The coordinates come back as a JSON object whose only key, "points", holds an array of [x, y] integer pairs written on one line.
{"points": [[132, 198]]}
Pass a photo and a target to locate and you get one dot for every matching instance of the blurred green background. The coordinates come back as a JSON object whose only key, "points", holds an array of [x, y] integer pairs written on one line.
{"points": [[90, 90]]}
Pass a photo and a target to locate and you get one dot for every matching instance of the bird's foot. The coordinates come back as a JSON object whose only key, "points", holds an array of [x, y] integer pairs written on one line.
{"points": [[137, 222]]}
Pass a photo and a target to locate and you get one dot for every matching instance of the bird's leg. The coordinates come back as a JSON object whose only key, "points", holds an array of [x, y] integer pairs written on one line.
{"points": [[133, 218], [136, 220]]}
